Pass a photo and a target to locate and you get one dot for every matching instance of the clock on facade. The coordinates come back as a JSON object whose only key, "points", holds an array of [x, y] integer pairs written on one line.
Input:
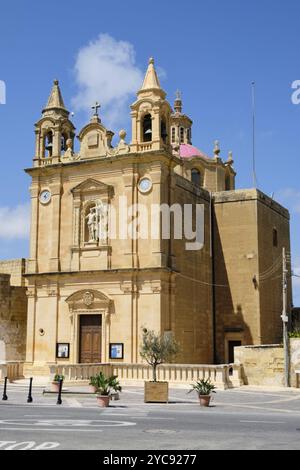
{"points": [[145, 185], [45, 196]]}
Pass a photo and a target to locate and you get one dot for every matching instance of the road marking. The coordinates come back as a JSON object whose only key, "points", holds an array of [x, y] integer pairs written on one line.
{"points": [[65, 423], [28, 445], [50, 430], [262, 422]]}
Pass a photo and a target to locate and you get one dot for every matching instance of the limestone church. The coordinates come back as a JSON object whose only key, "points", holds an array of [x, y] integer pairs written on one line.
{"points": [[88, 294]]}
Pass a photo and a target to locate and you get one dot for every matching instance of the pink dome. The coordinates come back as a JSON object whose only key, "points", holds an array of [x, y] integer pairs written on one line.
{"points": [[187, 150]]}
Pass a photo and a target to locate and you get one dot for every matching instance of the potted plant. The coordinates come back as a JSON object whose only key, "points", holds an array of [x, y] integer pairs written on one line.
{"points": [[157, 349], [204, 388], [56, 382], [93, 384], [105, 387]]}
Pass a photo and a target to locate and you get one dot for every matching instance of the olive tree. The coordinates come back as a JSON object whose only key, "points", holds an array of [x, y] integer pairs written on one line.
{"points": [[157, 349]]}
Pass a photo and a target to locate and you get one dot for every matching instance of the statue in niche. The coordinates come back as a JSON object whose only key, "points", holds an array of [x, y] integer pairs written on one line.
{"points": [[92, 225], [96, 222]]}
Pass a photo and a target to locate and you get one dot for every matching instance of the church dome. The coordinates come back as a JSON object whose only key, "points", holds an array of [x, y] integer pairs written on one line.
{"points": [[188, 150]]}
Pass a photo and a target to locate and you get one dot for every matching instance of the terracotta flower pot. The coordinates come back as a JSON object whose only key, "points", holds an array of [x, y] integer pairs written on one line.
{"points": [[55, 387], [103, 400], [92, 389], [204, 400]]}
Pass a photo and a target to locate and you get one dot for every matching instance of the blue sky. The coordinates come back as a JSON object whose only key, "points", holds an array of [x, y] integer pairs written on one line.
{"points": [[212, 51]]}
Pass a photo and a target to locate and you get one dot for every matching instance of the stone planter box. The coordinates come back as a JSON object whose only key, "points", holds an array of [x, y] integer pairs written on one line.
{"points": [[156, 392]]}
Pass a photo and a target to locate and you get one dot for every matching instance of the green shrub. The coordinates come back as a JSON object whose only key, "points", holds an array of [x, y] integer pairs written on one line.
{"points": [[203, 387]]}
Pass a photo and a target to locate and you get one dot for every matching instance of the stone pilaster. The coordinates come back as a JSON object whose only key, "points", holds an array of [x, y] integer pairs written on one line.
{"points": [[54, 264], [32, 261]]}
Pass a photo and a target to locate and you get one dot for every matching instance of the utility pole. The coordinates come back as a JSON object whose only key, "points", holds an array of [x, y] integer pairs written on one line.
{"points": [[285, 320]]}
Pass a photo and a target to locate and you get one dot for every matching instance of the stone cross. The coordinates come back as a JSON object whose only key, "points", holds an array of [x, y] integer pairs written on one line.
{"points": [[96, 107]]}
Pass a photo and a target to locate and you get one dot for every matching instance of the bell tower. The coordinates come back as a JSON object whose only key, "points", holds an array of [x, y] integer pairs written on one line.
{"points": [[54, 131], [150, 115]]}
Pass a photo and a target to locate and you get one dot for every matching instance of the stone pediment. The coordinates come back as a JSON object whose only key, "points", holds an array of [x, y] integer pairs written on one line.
{"points": [[89, 300], [91, 186], [95, 140]]}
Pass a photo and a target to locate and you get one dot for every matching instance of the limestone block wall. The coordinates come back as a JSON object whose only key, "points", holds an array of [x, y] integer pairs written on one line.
{"points": [[294, 361], [16, 269], [13, 318], [264, 365]]}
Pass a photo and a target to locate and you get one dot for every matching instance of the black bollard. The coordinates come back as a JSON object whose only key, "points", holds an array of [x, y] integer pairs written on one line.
{"points": [[29, 399], [4, 391], [59, 400]]}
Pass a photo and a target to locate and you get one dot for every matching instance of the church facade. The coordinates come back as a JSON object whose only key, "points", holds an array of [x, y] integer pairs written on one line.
{"points": [[92, 287]]}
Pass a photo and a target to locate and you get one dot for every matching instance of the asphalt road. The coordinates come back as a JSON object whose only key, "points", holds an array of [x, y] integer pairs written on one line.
{"points": [[237, 419]]}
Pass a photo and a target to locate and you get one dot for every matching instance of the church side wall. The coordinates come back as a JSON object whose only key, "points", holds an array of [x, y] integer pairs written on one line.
{"points": [[192, 320], [272, 217], [236, 262]]}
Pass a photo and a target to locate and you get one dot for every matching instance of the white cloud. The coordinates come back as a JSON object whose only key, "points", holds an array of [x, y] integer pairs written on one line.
{"points": [[105, 71], [14, 222]]}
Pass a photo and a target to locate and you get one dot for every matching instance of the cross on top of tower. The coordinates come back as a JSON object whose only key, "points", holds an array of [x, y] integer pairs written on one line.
{"points": [[178, 95], [96, 107]]}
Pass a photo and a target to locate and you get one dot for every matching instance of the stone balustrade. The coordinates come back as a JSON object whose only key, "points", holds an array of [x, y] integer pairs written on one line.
{"points": [[223, 376], [12, 370], [144, 147]]}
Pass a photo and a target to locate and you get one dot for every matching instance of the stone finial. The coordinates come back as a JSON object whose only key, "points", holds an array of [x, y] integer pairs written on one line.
{"points": [[217, 149], [151, 60], [178, 102], [69, 143], [122, 135]]}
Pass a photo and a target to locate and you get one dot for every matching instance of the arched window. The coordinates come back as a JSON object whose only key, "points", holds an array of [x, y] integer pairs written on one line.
{"points": [[196, 176], [147, 128], [189, 135], [64, 138], [173, 135], [182, 135], [163, 131], [48, 145]]}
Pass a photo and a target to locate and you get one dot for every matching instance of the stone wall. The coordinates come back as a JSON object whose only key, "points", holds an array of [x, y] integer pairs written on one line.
{"points": [[264, 365], [13, 318], [16, 269]]}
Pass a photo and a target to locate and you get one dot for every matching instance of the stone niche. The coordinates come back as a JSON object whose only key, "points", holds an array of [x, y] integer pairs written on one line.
{"points": [[91, 250]]}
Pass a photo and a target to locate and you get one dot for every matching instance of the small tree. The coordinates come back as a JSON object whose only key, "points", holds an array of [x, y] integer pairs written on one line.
{"points": [[157, 349]]}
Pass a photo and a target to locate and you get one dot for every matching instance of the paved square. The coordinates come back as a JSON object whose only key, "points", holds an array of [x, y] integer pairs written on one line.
{"points": [[242, 418]]}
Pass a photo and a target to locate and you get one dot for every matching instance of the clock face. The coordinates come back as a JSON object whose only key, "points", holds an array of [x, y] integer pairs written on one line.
{"points": [[145, 185], [45, 196]]}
